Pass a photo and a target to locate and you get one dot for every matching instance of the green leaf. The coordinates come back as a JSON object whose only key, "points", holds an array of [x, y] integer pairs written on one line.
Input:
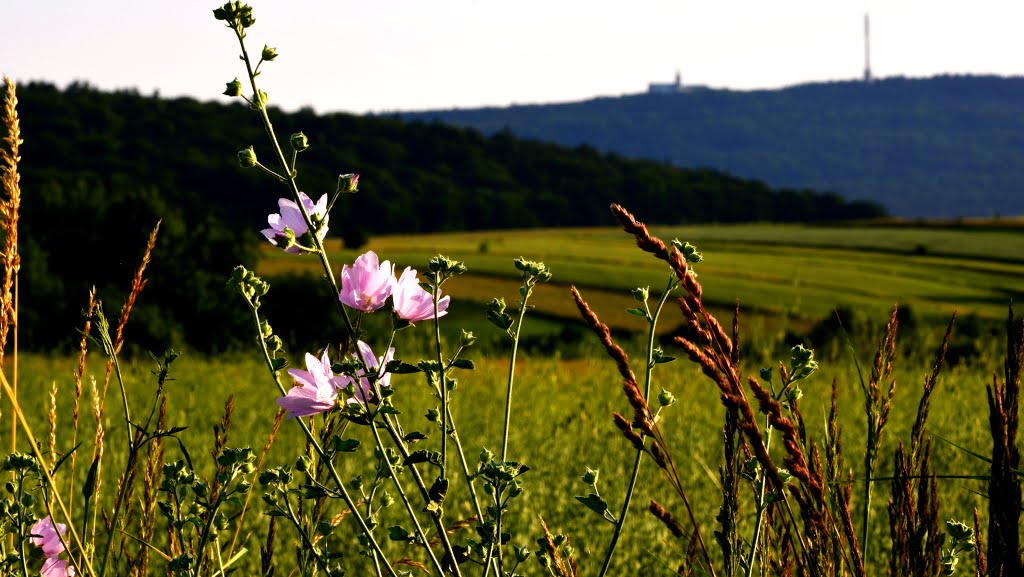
{"points": [[463, 364], [399, 533], [278, 363], [397, 367], [90, 479], [345, 445], [414, 437], [638, 312], [594, 503], [423, 456]]}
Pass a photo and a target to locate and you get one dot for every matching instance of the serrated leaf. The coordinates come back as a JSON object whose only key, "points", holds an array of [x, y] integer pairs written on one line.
{"points": [[594, 503], [399, 533], [397, 367], [463, 364], [423, 456], [414, 437], [503, 321], [345, 445]]}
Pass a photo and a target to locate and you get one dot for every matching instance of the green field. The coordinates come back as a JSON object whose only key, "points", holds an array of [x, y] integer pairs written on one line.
{"points": [[785, 275]]}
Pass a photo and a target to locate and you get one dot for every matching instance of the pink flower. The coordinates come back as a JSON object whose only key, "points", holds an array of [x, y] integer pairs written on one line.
{"points": [[412, 303], [287, 227], [367, 284], [316, 390], [45, 536], [54, 567], [364, 389]]}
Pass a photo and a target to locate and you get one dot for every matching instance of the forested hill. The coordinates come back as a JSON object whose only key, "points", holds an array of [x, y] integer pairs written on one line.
{"points": [[945, 146], [415, 176], [99, 169]]}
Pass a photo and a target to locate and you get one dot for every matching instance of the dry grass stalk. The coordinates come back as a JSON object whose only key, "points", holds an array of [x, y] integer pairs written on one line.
{"points": [[605, 334], [917, 433], [98, 449], [278, 419], [51, 423], [220, 440], [267, 551], [980, 566], [560, 566], [642, 416], [138, 283], [877, 405], [665, 516], [150, 483], [1004, 489], [10, 209], [83, 351]]}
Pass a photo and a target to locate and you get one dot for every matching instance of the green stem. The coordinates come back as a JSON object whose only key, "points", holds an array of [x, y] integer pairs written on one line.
{"points": [[405, 499], [436, 290], [866, 512], [319, 451], [620, 523], [512, 376], [304, 536], [761, 506]]}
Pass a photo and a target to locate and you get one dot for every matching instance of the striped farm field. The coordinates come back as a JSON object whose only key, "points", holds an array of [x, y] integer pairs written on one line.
{"points": [[793, 273]]}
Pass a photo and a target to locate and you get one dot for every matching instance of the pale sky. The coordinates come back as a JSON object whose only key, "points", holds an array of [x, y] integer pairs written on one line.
{"points": [[389, 55]]}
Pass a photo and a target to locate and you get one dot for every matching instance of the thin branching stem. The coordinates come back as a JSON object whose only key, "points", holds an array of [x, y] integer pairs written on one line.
{"points": [[649, 369]]}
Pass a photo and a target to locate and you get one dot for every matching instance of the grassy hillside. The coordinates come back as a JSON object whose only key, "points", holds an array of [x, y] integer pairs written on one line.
{"points": [[787, 277], [943, 146]]}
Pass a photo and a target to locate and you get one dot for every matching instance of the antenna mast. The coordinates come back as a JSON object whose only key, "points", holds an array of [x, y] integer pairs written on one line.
{"points": [[867, 49]]}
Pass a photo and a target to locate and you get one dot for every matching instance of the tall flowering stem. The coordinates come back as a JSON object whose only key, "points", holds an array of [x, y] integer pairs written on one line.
{"points": [[238, 22], [252, 288], [532, 273]]}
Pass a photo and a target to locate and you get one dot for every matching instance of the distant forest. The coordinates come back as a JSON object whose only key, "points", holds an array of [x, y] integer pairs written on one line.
{"points": [[99, 169], [946, 146]]}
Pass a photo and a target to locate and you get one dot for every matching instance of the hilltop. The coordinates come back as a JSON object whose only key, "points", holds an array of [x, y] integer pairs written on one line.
{"points": [[945, 146]]}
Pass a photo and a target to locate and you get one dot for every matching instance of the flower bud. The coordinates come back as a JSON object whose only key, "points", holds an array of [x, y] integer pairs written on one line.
{"points": [[666, 398], [386, 500], [467, 339], [234, 88], [269, 54], [247, 158], [348, 183], [299, 142], [433, 415], [590, 477], [486, 456], [641, 294]]}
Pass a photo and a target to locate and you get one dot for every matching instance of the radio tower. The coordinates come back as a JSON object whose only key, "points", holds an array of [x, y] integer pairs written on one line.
{"points": [[867, 49]]}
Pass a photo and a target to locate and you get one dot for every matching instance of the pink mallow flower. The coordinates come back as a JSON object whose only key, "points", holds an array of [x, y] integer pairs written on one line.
{"points": [[45, 536], [54, 567], [367, 284], [316, 390], [364, 389], [412, 303], [287, 227]]}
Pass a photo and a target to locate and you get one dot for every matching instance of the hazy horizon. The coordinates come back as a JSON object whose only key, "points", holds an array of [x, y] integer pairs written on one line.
{"points": [[407, 55]]}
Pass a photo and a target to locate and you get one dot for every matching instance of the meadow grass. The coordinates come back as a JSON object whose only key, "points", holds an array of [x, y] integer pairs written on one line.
{"points": [[563, 408]]}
